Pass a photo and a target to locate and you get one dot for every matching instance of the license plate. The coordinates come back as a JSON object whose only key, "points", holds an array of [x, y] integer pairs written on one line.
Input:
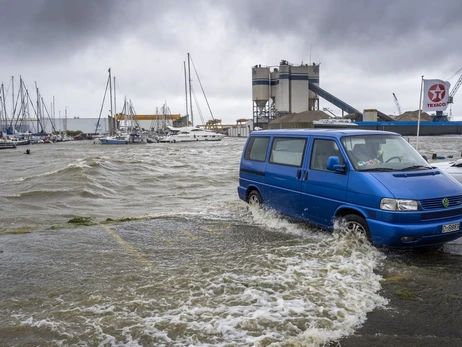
{"points": [[447, 228]]}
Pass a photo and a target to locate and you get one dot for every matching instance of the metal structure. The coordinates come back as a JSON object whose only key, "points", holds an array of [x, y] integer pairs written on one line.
{"points": [[453, 92], [23, 115], [334, 100], [398, 106], [283, 89], [330, 112]]}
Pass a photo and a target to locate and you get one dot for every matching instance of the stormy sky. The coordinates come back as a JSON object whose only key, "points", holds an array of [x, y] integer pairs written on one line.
{"points": [[368, 49]]}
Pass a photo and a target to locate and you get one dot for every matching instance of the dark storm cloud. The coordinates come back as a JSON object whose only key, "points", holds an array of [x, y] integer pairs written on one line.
{"points": [[37, 27], [68, 45], [371, 32], [338, 20], [56, 28]]}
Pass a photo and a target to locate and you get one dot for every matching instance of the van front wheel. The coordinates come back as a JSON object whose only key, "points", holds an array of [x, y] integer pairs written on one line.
{"points": [[357, 224], [254, 198]]}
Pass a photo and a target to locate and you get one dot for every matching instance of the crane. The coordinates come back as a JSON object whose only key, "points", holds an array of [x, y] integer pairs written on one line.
{"points": [[453, 92], [398, 107]]}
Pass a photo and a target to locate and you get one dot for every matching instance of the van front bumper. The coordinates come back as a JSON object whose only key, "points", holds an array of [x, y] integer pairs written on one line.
{"points": [[412, 235]]}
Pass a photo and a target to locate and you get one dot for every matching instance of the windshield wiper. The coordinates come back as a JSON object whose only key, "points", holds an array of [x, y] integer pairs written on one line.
{"points": [[414, 167], [378, 169]]}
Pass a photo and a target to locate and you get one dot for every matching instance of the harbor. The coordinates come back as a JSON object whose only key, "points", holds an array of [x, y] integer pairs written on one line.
{"points": [[284, 96], [114, 245]]}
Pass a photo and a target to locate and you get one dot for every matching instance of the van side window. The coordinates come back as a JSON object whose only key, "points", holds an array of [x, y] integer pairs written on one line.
{"points": [[257, 149], [288, 151], [322, 150]]}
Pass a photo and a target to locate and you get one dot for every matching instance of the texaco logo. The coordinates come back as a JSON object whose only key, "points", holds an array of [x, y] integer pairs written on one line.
{"points": [[436, 92]]}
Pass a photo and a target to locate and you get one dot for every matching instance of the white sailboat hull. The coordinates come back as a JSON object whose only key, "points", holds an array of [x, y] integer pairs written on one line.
{"points": [[192, 137]]}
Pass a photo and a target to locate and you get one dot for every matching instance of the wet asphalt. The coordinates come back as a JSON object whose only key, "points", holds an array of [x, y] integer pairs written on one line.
{"points": [[424, 289]]}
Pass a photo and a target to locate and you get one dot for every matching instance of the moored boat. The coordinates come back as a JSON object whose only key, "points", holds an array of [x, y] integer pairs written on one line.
{"points": [[190, 134], [118, 139], [5, 144], [334, 123], [20, 141]]}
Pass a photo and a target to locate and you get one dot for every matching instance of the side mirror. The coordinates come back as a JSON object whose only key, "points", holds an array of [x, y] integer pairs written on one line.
{"points": [[333, 164]]}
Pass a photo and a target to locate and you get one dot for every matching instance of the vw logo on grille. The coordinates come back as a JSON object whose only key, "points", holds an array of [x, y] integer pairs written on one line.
{"points": [[445, 202]]}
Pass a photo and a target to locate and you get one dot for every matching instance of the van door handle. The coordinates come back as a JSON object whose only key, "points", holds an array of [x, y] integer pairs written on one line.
{"points": [[299, 174], [306, 175]]}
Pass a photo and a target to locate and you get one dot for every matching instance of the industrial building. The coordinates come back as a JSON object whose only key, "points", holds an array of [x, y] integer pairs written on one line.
{"points": [[289, 89], [281, 90], [287, 96], [51, 125]]}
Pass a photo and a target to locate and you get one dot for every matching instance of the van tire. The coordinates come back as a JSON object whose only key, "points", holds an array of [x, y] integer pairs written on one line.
{"points": [[254, 198], [356, 223]]}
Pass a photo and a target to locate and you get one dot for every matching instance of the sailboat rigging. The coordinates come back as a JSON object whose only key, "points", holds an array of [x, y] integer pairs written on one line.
{"points": [[191, 133], [129, 132]]}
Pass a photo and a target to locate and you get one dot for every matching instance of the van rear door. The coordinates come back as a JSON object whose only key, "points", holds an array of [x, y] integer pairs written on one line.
{"points": [[283, 176]]}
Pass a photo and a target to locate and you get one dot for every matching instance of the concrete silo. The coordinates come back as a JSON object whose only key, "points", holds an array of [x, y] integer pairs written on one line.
{"points": [[299, 92], [261, 86], [283, 90]]}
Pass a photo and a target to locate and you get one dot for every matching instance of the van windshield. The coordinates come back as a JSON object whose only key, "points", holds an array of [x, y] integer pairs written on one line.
{"points": [[382, 153]]}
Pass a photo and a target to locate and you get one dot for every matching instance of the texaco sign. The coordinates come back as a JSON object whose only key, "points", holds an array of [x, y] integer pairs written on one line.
{"points": [[435, 95]]}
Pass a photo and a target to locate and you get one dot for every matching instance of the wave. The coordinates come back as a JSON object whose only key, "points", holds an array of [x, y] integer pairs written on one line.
{"points": [[305, 289]]}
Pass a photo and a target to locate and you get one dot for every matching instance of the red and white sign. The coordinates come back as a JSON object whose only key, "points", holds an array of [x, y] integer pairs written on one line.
{"points": [[435, 95]]}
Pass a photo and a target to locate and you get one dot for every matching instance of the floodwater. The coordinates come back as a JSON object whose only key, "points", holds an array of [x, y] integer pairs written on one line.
{"points": [[165, 254]]}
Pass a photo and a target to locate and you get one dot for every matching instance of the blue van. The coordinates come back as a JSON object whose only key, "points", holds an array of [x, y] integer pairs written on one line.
{"points": [[374, 181]]}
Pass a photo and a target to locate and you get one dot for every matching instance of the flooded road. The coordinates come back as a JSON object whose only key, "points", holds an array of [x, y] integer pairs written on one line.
{"points": [[164, 254], [179, 282]]}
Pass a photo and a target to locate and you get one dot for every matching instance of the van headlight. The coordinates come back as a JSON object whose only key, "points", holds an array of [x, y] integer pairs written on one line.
{"points": [[398, 205]]}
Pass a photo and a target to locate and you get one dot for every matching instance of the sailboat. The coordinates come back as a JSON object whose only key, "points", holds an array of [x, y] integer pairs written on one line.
{"points": [[129, 132], [191, 133], [118, 138]]}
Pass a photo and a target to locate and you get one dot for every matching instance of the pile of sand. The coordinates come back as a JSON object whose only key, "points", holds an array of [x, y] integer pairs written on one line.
{"points": [[413, 116], [302, 117]]}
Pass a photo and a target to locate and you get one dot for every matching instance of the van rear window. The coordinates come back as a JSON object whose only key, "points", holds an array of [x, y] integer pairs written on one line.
{"points": [[257, 148], [288, 151]]}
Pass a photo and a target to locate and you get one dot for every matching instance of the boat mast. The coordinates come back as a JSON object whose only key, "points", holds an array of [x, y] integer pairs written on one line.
{"points": [[110, 100], [38, 108], [115, 102], [4, 116], [12, 97], [190, 100], [110, 92], [186, 92], [102, 107]]}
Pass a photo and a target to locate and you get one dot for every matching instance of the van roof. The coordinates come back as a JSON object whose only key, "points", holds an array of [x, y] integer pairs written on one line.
{"points": [[321, 131]]}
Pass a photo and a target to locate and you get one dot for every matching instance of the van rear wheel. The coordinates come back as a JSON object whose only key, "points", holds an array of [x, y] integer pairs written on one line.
{"points": [[254, 198], [357, 224]]}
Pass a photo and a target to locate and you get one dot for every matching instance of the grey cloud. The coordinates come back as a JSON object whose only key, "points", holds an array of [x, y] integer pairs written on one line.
{"points": [[376, 43]]}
